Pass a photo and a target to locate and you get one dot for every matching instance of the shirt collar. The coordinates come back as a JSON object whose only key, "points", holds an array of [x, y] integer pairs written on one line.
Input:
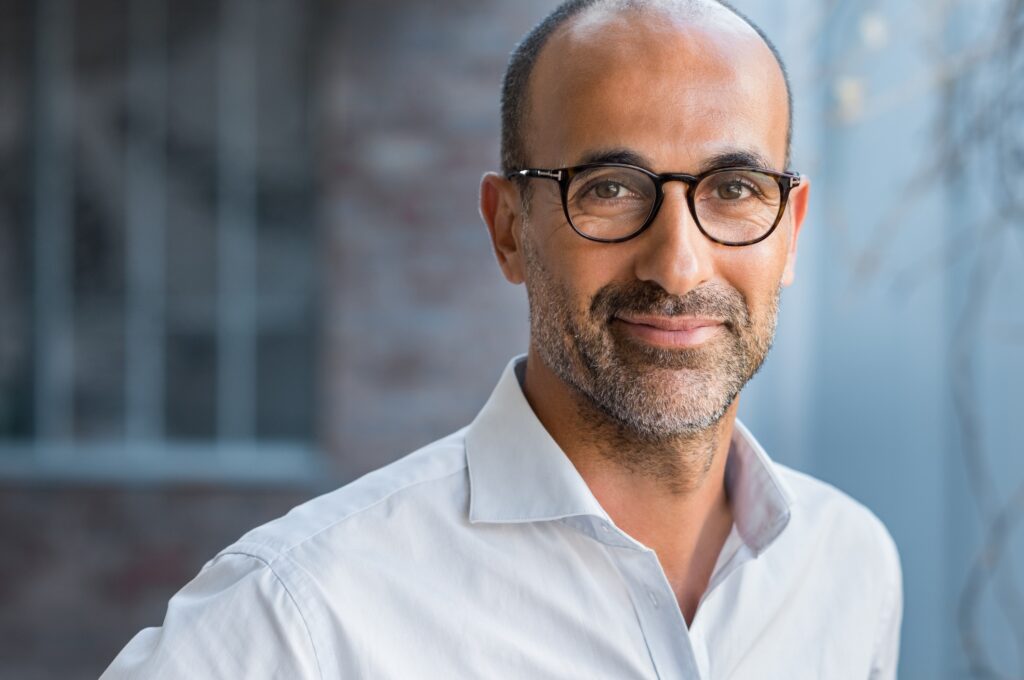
{"points": [[518, 473], [761, 500]]}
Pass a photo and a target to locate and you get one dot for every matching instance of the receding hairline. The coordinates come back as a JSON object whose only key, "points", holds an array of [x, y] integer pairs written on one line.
{"points": [[518, 82], [601, 11]]}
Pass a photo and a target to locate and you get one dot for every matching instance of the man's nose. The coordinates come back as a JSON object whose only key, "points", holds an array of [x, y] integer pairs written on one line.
{"points": [[673, 252]]}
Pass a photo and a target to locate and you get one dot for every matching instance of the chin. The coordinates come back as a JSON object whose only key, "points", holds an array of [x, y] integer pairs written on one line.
{"points": [[678, 402]]}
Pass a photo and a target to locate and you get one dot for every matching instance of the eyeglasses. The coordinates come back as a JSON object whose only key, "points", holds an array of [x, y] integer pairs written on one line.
{"points": [[613, 202]]}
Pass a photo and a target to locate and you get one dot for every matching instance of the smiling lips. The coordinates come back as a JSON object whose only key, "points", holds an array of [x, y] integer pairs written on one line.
{"points": [[670, 331]]}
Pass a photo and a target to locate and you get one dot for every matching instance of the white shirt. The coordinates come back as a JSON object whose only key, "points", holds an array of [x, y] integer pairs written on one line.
{"points": [[485, 555]]}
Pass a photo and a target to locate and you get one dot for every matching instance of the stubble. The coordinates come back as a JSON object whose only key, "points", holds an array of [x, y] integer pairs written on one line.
{"points": [[642, 405]]}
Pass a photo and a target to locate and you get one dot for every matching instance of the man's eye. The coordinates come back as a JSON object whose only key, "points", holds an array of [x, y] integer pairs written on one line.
{"points": [[733, 191], [609, 190]]}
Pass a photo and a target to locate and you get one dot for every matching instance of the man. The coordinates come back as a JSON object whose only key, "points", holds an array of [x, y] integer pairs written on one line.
{"points": [[605, 515]]}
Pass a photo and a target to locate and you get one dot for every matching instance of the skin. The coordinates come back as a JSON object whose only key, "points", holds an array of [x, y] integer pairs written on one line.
{"points": [[675, 89]]}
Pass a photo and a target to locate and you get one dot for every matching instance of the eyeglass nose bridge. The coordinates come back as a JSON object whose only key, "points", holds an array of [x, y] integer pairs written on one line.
{"points": [[691, 182]]}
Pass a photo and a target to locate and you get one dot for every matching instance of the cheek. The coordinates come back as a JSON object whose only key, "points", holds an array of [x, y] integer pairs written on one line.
{"points": [[580, 268], [576, 286], [603, 266], [554, 284], [756, 273]]}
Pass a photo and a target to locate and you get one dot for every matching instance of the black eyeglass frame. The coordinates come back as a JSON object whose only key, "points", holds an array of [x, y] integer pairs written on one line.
{"points": [[786, 181]]}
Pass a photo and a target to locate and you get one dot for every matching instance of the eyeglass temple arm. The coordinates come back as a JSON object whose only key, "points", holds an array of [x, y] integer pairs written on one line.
{"points": [[531, 172]]}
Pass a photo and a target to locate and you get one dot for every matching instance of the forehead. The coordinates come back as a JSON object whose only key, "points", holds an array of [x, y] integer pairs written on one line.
{"points": [[675, 88]]}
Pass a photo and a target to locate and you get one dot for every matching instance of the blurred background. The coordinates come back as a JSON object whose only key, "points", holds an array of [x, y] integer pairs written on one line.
{"points": [[241, 264]]}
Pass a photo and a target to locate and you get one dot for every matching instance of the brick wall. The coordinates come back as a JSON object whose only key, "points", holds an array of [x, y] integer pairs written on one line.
{"points": [[415, 325]]}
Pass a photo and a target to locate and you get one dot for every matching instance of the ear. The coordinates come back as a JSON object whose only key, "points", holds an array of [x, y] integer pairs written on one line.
{"points": [[797, 208], [501, 210]]}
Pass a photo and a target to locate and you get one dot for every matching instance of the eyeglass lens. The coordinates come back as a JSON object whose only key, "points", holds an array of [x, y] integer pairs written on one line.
{"points": [[732, 206]]}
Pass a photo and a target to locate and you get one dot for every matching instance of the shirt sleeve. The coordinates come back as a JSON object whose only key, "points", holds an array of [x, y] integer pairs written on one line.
{"points": [[887, 650], [236, 619]]}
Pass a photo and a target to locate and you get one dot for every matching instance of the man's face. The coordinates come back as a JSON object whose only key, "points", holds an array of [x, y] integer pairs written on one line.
{"points": [[660, 332]]}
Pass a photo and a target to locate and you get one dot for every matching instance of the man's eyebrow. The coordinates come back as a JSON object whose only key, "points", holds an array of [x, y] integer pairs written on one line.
{"points": [[623, 155], [728, 159], [735, 159]]}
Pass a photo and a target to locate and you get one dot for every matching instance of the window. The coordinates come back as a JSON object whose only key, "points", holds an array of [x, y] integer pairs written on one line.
{"points": [[157, 242]]}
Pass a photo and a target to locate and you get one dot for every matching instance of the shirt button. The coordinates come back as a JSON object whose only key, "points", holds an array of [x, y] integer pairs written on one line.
{"points": [[605, 528], [654, 598]]}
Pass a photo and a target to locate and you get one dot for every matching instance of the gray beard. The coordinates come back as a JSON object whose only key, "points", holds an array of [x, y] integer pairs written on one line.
{"points": [[644, 404]]}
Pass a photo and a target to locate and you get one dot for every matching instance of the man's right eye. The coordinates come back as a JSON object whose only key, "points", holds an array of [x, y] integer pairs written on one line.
{"points": [[609, 190]]}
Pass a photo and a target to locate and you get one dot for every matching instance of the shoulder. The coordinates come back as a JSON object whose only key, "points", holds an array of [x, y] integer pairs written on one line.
{"points": [[429, 480], [832, 517], [863, 575], [256, 609]]}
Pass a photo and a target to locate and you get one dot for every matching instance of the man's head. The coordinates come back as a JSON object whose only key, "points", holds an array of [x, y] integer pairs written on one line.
{"points": [[660, 332]]}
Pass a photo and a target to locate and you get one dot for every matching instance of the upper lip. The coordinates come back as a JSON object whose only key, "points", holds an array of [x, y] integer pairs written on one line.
{"points": [[670, 323]]}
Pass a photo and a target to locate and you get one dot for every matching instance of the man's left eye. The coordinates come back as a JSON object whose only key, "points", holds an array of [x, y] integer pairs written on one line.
{"points": [[731, 191]]}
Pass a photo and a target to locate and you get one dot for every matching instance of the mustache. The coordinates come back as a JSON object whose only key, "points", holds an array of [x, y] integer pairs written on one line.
{"points": [[644, 297]]}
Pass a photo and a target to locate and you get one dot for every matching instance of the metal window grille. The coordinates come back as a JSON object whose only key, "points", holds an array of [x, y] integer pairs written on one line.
{"points": [[162, 294]]}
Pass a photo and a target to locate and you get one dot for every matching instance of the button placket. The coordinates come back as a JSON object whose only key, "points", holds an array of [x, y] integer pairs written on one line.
{"points": [[660, 620]]}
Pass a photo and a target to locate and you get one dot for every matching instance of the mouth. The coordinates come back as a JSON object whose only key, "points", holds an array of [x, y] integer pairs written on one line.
{"points": [[679, 332]]}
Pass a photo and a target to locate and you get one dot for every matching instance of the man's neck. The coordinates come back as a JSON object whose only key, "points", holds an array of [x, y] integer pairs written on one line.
{"points": [[669, 495]]}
